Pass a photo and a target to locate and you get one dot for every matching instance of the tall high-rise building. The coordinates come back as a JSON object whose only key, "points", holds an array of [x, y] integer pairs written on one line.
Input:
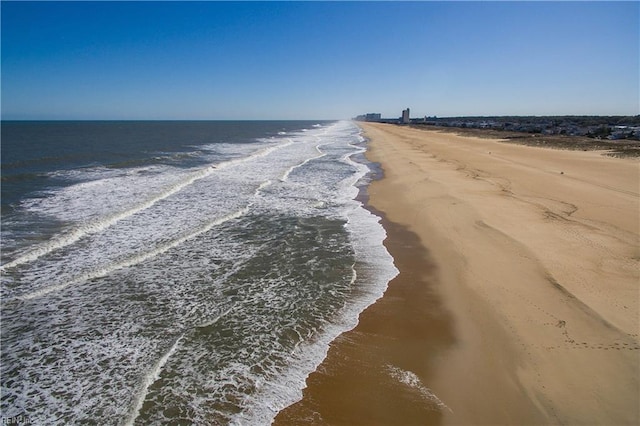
{"points": [[405, 116]]}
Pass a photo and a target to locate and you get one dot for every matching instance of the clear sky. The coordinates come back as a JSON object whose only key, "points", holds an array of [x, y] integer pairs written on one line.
{"points": [[316, 60]]}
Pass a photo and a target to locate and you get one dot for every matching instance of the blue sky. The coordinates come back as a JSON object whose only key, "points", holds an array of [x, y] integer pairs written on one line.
{"points": [[316, 60]]}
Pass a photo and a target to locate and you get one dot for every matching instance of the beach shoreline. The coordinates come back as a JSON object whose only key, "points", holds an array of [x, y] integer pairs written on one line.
{"points": [[366, 365], [521, 264]]}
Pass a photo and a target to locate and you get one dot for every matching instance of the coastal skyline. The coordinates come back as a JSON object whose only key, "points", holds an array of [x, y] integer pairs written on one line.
{"points": [[317, 60]]}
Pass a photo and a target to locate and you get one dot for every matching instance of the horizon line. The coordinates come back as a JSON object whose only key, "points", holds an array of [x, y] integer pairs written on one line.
{"points": [[354, 118]]}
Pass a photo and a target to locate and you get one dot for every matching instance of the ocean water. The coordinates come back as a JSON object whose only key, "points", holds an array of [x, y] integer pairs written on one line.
{"points": [[178, 272]]}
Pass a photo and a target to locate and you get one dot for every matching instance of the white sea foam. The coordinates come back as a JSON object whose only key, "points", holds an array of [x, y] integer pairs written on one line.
{"points": [[149, 379], [102, 223], [135, 259], [370, 276], [243, 265], [286, 174], [412, 381]]}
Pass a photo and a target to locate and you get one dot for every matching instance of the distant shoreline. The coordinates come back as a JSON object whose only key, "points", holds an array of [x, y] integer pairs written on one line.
{"points": [[618, 134]]}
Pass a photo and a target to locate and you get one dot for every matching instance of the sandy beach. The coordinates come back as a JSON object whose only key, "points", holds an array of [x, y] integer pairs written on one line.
{"points": [[518, 297]]}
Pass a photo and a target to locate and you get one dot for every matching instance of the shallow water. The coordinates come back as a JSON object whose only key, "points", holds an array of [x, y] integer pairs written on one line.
{"points": [[195, 273]]}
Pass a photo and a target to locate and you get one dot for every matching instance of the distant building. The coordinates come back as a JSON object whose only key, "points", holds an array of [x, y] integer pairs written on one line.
{"points": [[370, 116], [405, 116]]}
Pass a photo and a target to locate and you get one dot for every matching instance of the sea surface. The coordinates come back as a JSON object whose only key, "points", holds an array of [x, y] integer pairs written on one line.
{"points": [[178, 272]]}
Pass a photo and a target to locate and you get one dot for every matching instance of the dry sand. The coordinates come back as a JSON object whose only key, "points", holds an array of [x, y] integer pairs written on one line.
{"points": [[518, 295]]}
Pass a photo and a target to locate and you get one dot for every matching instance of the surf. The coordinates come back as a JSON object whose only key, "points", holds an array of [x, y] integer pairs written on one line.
{"points": [[101, 224]]}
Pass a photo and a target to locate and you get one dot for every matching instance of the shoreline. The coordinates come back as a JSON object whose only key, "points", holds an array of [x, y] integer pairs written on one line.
{"points": [[367, 365], [521, 265]]}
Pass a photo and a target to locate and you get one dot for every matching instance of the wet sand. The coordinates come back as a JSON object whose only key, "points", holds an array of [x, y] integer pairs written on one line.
{"points": [[517, 298]]}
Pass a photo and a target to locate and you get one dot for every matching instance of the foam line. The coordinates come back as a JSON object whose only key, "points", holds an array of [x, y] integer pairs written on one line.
{"points": [[216, 319], [262, 186], [149, 379], [154, 374], [262, 153], [101, 272], [100, 225], [411, 380], [286, 174], [354, 275]]}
